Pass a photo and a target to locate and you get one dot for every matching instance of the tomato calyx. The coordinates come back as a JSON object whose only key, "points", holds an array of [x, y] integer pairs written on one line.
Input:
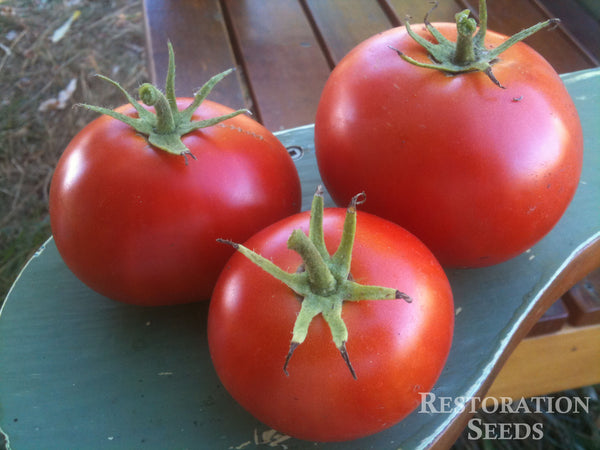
{"points": [[324, 281], [165, 128], [468, 53]]}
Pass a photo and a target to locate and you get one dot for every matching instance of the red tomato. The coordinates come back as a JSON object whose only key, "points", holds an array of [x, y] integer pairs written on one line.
{"points": [[479, 173], [138, 224], [397, 348]]}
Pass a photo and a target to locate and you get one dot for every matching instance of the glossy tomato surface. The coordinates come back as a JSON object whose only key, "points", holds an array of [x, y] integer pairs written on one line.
{"points": [[398, 349], [139, 225], [479, 173]]}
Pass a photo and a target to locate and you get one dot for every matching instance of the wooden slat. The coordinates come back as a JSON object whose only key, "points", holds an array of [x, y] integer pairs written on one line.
{"points": [[417, 9], [583, 301], [591, 7], [552, 321], [529, 371], [197, 31], [282, 59], [578, 21], [509, 17], [343, 24]]}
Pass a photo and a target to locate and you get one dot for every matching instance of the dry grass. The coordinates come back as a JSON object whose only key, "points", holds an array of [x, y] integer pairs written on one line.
{"points": [[107, 38]]}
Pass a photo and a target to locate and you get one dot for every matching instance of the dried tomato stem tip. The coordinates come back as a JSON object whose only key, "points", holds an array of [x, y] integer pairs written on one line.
{"points": [[165, 128], [468, 53], [324, 283]]}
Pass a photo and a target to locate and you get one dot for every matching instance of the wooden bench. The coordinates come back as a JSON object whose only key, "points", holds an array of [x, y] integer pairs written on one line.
{"points": [[284, 50]]}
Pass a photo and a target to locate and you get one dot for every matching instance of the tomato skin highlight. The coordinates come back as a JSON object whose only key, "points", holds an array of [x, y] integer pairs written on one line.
{"points": [[138, 225], [479, 173], [397, 349]]}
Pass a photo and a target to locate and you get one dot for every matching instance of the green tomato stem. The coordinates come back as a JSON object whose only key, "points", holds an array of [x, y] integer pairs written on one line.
{"points": [[468, 53], [320, 278], [465, 50], [165, 129], [165, 121], [324, 283]]}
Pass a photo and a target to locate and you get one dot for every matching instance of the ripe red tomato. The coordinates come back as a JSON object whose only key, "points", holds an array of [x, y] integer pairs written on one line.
{"points": [[139, 225], [397, 349], [479, 173]]}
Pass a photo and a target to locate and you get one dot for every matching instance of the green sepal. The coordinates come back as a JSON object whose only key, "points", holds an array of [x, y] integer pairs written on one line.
{"points": [[468, 53], [324, 283], [165, 129]]}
